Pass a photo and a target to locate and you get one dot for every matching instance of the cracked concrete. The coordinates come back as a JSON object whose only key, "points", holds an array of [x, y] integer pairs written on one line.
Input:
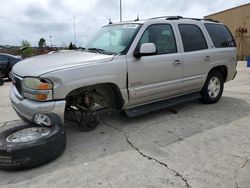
{"points": [[244, 161], [149, 157], [191, 145]]}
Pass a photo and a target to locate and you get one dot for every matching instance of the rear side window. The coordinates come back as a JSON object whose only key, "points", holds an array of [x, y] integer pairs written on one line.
{"points": [[220, 35], [192, 38]]}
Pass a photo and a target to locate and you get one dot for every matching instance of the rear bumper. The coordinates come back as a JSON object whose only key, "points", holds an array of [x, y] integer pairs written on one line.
{"points": [[27, 108]]}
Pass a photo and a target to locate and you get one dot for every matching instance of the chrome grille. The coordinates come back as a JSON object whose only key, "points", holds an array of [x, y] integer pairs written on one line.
{"points": [[18, 83]]}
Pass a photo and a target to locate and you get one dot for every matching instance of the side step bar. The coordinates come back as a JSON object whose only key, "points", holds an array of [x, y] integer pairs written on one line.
{"points": [[145, 109]]}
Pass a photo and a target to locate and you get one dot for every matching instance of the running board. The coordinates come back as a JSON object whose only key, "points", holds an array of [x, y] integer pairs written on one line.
{"points": [[145, 109]]}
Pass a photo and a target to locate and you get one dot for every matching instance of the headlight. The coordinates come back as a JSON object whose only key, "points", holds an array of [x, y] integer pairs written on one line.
{"points": [[37, 89]]}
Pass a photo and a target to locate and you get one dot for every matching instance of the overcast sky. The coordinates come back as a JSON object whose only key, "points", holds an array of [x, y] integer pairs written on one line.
{"points": [[32, 19]]}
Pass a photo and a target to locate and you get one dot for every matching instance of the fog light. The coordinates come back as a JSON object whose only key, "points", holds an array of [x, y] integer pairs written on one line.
{"points": [[42, 119]]}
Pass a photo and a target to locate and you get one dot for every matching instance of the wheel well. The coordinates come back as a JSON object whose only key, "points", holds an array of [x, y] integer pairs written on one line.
{"points": [[106, 94], [221, 69]]}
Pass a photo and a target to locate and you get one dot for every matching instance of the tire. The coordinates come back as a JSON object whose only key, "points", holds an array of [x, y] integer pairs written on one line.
{"points": [[29, 154], [213, 88]]}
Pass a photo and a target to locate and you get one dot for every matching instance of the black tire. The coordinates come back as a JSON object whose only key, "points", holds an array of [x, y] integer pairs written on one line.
{"points": [[206, 96], [30, 154], [89, 121]]}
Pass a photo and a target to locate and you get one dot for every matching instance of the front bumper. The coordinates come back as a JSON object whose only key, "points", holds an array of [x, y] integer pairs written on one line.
{"points": [[27, 108]]}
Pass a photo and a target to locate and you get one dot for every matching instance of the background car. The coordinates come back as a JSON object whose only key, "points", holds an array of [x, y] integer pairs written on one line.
{"points": [[7, 61]]}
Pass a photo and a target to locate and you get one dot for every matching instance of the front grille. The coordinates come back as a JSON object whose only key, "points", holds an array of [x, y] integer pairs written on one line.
{"points": [[18, 83]]}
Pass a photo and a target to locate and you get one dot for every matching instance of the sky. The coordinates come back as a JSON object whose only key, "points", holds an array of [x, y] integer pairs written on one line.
{"points": [[32, 19]]}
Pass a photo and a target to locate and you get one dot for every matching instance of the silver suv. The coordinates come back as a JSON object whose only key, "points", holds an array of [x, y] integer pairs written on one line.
{"points": [[135, 66]]}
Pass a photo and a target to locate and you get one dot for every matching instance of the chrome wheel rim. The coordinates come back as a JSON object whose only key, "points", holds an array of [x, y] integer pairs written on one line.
{"points": [[214, 87], [28, 134]]}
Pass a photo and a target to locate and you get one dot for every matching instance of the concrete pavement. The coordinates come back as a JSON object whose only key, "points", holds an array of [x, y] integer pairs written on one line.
{"points": [[194, 145]]}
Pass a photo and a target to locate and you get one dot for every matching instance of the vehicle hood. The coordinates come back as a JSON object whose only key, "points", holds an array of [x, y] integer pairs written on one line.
{"points": [[39, 65]]}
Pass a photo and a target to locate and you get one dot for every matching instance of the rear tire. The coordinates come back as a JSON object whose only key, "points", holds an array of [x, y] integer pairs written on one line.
{"points": [[213, 88]]}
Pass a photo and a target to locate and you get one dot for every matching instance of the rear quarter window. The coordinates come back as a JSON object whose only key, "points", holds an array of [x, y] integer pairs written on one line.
{"points": [[220, 35]]}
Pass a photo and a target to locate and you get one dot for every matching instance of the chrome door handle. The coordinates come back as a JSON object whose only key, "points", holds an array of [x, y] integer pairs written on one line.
{"points": [[207, 58], [176, 62]]}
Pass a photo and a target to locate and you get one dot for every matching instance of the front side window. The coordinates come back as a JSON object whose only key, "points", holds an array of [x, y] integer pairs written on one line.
{"points": [[162, 36], [192, 38], [113, 39], [220, 35]]}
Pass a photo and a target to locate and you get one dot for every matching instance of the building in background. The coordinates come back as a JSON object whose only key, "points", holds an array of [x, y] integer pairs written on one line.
{"points": [[238, 21]]}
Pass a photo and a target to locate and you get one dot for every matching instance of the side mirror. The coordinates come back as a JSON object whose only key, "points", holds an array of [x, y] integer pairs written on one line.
{"points": [[1, 81], [146, 49]]}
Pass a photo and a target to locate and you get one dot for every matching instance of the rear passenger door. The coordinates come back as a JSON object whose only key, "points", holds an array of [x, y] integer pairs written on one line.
{"points": [[196, 57]]}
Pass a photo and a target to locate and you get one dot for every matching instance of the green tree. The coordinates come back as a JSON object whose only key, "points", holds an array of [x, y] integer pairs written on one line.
{"points": [[42, 43], [27, 50], [72, 46]]}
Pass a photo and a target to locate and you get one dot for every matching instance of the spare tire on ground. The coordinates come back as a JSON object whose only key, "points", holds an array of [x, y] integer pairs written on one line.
{"points": [[25, 146]]}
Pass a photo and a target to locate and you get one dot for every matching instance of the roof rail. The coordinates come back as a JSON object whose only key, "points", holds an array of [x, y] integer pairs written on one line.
{"points": [[174, 18], [180, 17], [167, 17], [202, 19]]}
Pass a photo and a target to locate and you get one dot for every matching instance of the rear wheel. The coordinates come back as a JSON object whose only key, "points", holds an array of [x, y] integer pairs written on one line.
{"points": [[213, 88]]}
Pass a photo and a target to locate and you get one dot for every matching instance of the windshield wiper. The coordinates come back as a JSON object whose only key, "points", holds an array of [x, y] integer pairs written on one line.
{"points": [[99, 50]]}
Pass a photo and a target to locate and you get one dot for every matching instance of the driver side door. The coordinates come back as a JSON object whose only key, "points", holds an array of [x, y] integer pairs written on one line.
{"points": [[155, 77]]}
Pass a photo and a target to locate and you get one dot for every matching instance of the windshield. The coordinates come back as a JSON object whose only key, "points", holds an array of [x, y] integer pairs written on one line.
{"points": [[113, 39]]}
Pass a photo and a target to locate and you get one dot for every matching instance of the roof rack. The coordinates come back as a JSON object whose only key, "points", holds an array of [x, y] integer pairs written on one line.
{"points": [[202, 19], [167, 17], [180, 17]]}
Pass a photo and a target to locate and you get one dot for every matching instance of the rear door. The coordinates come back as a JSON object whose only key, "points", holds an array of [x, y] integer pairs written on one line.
{"points": [[196, 57]]}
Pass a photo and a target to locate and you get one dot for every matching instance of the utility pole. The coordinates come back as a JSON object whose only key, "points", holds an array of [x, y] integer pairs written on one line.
{"points": [[120, 10], [50, 37], [75, 29]]}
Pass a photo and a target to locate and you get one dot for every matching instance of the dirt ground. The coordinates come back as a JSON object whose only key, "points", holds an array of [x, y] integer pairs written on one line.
{"points": [[199, 146]]}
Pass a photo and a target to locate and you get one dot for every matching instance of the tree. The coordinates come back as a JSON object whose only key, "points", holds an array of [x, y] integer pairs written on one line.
{"points": [[26, 49], [72, 46], [42, 43], [25, 43], [27, 52]]}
